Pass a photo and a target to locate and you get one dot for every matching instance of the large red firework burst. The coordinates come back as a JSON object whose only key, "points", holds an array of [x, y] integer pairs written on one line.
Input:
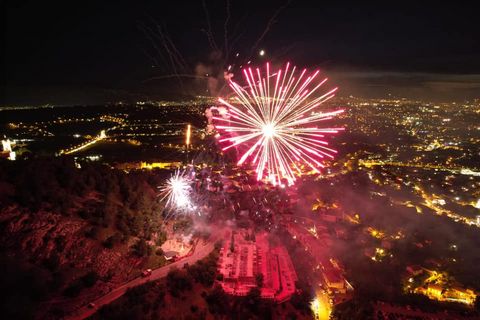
{"points": [[276, 117]]}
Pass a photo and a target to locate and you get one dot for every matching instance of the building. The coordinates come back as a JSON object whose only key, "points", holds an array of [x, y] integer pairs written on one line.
{"points": [[243, 258], [7, 151], [333, 277], [462, 295], [160, 165], [317, 242], [434, 291], [414, 270], [170, 255], [329, 217], [148, 165], [278, 274], [453, 294]]}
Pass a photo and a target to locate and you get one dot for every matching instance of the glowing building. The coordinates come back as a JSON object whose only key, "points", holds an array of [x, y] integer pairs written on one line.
{"points": [[7, 150], [453, 294], [242, 260]]}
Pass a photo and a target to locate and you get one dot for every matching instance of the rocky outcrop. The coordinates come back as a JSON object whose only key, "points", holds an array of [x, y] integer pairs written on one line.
{"points": [[41, 235]]}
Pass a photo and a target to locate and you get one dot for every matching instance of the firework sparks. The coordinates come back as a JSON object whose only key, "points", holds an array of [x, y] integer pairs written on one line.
{"points": [[275, 116], [176, 193]]}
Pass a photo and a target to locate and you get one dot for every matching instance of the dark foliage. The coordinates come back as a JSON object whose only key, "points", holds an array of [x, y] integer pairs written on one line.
{"points": [[105, 197]]}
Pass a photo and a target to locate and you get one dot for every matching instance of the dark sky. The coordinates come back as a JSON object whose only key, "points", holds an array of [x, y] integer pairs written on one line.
{"points": [[67, 52]]}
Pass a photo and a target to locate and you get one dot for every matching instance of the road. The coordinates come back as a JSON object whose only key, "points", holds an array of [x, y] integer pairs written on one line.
{"points": [[201, 251]]}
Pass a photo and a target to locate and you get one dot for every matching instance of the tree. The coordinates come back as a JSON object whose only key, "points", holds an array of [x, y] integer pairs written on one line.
{"points": [[253, 298], [141, 248], [183, 225], [92, 232], [232, 245], [135, 224], [178, 281], [218, 244], [204, 270], [122, 224], [73, 289], [259, 280], [111, 241], [217, 301], [110, 210], [23, 289], [301, 299], [90, 279], [52, 262], [161, 237]]}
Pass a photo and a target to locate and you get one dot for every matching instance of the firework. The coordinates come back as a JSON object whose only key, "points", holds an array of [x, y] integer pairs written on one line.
{"points": [[187, 135], [176, 193], [275, 117]]}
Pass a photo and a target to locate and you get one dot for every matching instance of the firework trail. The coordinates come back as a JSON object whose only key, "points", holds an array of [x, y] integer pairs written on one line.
{"points": [[275, 117], [269, 25], [224, 53]]}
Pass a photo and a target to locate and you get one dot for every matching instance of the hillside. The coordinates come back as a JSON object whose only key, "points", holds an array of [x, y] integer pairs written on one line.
{"points": [[74, 233]]}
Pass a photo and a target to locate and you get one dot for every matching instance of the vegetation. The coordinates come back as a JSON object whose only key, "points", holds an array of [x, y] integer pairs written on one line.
{"points": [[141, 248], [86, 281], [191, 293], [259, 280], [178, 281], [22, 284], [139, 303], [204, 270], [113, 209], [104, 197]]}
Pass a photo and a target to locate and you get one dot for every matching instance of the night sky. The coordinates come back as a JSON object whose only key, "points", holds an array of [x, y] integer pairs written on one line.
{"points": [[83, 52]]}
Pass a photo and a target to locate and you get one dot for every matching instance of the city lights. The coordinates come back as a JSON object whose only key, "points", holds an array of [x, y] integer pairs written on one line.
{"points": [[210, 176]]}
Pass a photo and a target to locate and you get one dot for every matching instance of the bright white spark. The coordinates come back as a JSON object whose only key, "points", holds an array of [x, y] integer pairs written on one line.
{"points": [[176, 192]]}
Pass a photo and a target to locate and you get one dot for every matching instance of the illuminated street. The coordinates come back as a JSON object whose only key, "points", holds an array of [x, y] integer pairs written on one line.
{"points": [[321, 307]]}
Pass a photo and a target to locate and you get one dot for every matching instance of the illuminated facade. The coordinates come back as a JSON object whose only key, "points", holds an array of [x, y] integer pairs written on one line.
{"points": [[159, 165], [453, 294], [241, 266], [7, 150]]}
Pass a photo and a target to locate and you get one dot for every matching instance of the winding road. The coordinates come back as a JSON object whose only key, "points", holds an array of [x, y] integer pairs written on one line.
{"points": [[201, 251]]}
